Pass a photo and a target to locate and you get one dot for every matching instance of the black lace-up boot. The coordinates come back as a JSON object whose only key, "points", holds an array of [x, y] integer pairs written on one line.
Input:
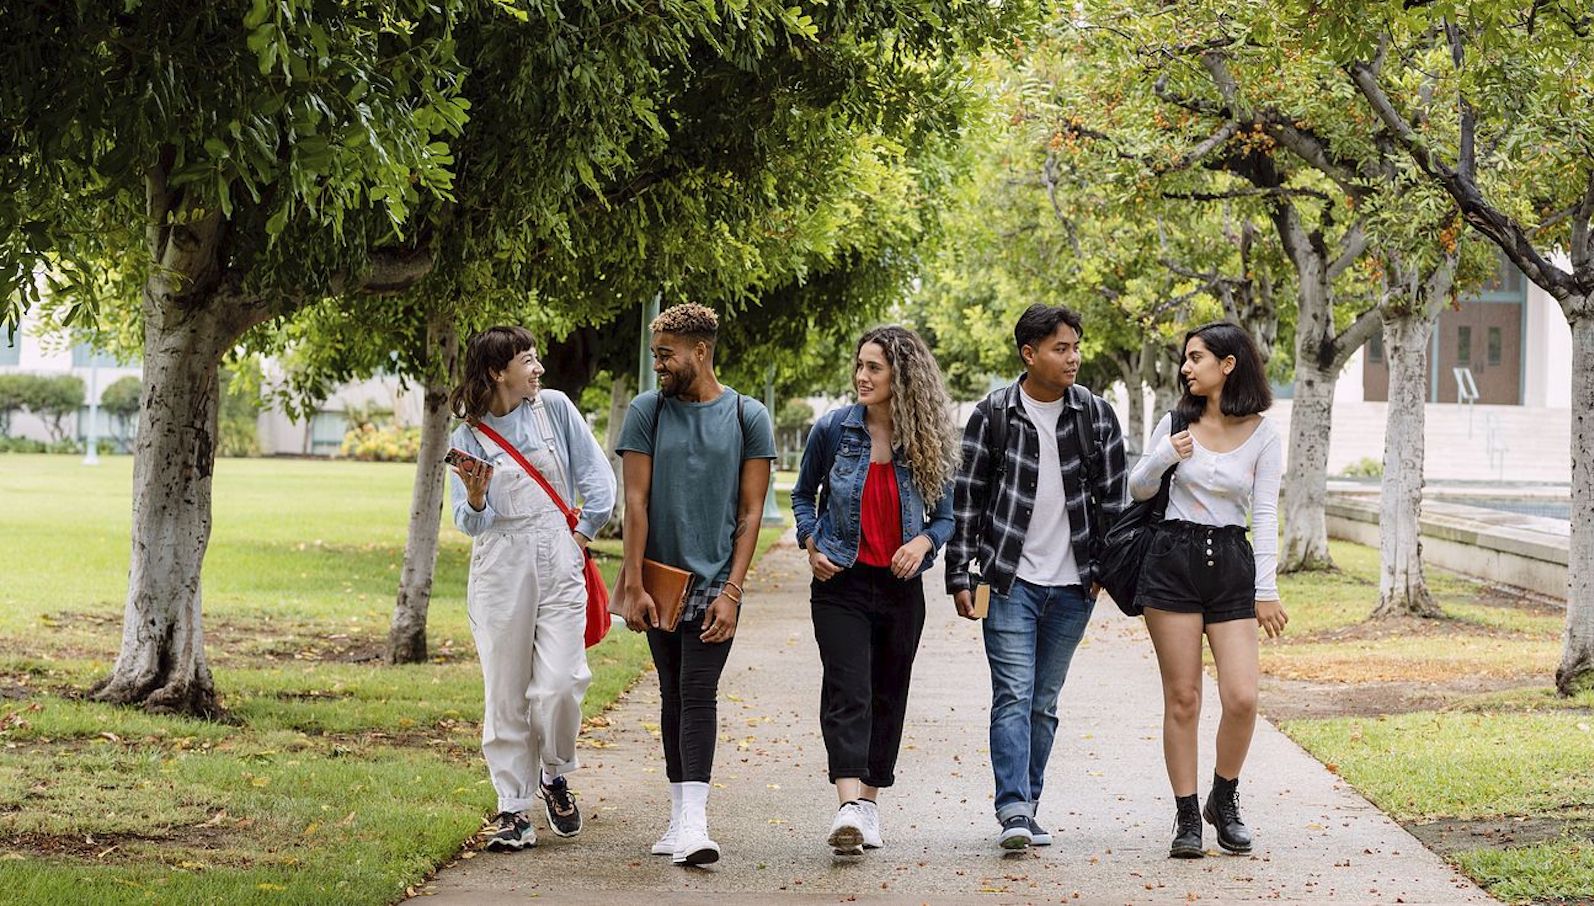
{"points": [[1186, 828], [1223, 813]]}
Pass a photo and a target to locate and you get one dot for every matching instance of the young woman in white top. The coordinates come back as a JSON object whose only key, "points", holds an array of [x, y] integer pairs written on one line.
{"points": [[1202, 576]]}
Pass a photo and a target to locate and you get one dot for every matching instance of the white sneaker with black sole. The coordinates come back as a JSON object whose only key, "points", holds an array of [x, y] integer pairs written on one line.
{"points": [[846, 832], [693, 847], [1016, 834], [512, 831], [871, 824]]}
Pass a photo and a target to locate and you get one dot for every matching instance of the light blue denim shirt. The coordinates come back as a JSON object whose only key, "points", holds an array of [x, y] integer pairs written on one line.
{"points": [[837, 457], [578, 451]]}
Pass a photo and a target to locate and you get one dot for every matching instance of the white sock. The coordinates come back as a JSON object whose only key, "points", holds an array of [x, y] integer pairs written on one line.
{"points": [[675, 805], [547, 778], [694, 805]]}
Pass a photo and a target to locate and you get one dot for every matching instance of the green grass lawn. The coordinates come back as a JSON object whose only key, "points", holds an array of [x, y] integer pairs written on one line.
{"points": [[336, 779], [1503, 779]]}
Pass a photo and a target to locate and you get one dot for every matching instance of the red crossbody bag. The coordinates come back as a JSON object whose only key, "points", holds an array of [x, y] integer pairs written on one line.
{"points": [[597, 593]]}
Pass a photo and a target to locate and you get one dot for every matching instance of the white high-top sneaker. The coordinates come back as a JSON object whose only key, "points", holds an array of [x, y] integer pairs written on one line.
{"points": [[692, 843], [666, 844], [871, 824]]}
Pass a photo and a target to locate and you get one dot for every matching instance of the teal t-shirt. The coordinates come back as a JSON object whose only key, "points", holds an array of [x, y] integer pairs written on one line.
{"points": [[697, 452]]}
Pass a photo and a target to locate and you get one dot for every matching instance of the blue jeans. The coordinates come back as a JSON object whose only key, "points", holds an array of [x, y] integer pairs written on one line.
{"points": [[1030, 637]]}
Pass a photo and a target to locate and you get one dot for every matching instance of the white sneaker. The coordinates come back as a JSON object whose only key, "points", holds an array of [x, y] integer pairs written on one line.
{"points": [[871, 824], [693, 847], [665, 845], [692, 844], [846, 832]]}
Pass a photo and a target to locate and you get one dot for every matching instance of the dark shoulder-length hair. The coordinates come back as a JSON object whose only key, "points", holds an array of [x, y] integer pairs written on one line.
{"points": [[491, 350], [1245, 390]]}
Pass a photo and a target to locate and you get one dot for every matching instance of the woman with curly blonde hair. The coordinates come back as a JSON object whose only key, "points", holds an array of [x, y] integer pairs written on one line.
{"points": [[873, 503]]}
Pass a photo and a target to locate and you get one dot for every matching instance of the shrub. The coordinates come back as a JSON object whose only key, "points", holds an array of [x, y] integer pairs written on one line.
{"points": [[1366, 467], [394, 443], [120, 402], [51, 397], [22, 445]]}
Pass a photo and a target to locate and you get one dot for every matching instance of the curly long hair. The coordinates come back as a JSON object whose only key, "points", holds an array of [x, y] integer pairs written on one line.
{"points": [[921, 409]]}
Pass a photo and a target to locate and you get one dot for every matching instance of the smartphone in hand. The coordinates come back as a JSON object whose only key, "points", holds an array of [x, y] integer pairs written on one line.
{"points": [[468, 463]]}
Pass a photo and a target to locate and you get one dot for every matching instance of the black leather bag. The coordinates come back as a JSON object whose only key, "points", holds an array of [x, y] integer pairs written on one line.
{"points": [[1128, 542]]}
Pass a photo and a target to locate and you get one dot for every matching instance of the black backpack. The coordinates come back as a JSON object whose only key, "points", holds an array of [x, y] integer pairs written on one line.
{"points": [[1129, 540], [1084, 435]]}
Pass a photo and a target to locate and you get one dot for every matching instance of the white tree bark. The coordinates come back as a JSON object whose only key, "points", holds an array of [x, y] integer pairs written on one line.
{"points": [[162, 659], [1408, 328], [620, 397], [1576, 670], [406, 638]]}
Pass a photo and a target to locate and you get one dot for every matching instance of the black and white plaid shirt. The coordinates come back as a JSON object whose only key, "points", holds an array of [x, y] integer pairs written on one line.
{"points": [[992, 522]]}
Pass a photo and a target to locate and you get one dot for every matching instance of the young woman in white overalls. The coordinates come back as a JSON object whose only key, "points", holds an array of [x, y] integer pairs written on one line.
{"points": [[526, 594]]}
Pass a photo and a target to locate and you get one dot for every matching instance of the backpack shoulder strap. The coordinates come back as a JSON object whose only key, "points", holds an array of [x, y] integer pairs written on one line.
{"points": [[996, 414], [1085, 433]]}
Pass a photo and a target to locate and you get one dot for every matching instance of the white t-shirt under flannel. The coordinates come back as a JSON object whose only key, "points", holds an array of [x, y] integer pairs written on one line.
{"points": [[1048, 554]]}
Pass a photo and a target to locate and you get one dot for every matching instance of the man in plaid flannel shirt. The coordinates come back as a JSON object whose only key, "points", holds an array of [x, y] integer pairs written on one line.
{"points": [[1031, 514]]}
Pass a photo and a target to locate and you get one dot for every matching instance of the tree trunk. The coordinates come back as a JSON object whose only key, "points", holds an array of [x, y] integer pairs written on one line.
{"points": [[1576, 670], [406, 637], [1402, 587], [1305, 544], [620, 397], [162, 659]]}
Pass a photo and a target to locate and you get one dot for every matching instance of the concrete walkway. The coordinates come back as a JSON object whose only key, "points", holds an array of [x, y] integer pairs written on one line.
{"points": [[1107, 800]]}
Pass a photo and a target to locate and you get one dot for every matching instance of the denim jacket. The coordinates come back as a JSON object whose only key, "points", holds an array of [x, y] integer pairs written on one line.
{"points": [[837, 457]]}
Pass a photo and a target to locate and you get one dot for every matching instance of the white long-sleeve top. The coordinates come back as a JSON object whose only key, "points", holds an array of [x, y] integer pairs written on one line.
{"points": [[1222, 489]]}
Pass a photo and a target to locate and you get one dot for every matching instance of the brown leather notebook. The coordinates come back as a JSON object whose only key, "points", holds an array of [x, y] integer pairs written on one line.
{"points": [[668, 586]]}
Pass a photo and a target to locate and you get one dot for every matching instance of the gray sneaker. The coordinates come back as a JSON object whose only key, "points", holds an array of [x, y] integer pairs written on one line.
{"points": [[1039, 836], [511, 831], [1016, 834]]}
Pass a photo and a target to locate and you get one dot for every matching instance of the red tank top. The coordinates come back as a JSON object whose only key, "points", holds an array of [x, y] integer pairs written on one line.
{"points": [[881, 519]]}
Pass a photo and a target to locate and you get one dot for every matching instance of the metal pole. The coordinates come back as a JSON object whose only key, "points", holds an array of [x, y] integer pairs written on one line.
{"points": [[92, 457], [772, 516], [645, 378]]}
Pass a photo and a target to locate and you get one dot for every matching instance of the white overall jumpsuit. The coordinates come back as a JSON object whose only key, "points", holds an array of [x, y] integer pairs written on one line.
{"points": [[527, 602]]}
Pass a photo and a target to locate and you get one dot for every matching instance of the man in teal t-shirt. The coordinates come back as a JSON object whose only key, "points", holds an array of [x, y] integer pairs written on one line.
{"points": [[697, 460], [698, 449]]}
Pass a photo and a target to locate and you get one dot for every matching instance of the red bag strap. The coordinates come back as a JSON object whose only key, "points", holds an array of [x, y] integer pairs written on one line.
{"points": [[507, 447]]}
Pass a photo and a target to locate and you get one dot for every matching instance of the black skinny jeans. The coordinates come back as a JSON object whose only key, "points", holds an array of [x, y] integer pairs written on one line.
{"points": [[689, 678], [867, 623]]}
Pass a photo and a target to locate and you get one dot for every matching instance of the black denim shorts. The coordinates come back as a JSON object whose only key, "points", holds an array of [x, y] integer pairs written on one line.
{"points": [[1204, 569]]}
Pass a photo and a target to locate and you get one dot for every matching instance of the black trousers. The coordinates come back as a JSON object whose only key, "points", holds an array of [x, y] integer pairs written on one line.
{"points": [[867, 623], [689, 678]]}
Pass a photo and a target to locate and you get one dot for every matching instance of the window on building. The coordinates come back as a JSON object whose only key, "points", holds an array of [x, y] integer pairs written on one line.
{"points": [[1496, 346], [84, 355], [1507, 280], [326, 433], [1375, 349], [10, 348], [1463, 346]]}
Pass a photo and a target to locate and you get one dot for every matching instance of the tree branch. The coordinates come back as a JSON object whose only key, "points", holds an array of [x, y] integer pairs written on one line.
{"points": [[1582, 245], [1194, 105], [395, 270], [1257, 192], [1356, 336], [1486, 219], [1049, 178], [1351, 248], [1213, 142]]}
